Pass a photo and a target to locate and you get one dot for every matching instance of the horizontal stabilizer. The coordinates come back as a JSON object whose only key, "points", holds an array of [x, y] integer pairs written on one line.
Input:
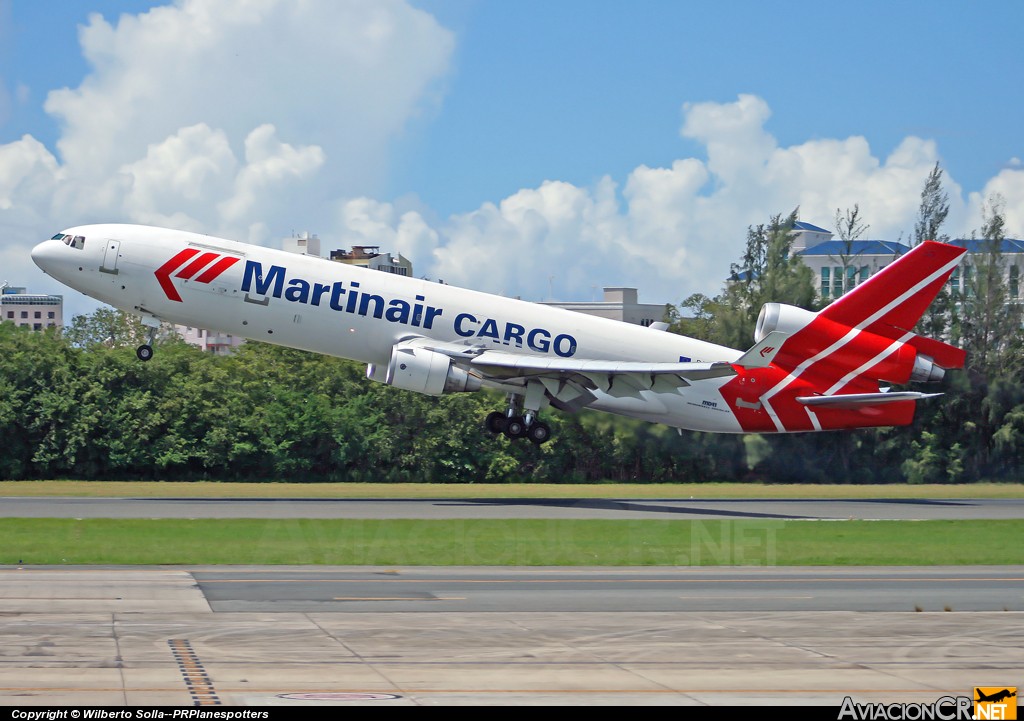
{"points": [[762, 353], [856, 400]]}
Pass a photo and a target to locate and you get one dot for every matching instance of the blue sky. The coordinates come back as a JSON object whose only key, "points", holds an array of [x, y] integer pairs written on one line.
{"points": [[575, 90], [610, 139]]}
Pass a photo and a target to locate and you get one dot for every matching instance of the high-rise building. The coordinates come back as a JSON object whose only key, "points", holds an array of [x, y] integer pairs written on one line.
{"points": [[369, 256], [35, 310]]}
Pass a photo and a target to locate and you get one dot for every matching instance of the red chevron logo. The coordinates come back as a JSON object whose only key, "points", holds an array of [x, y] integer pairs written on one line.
{"points": [[213, 263]]}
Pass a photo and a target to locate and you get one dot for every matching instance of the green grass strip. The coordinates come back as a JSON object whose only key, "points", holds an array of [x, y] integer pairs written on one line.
{"points": [[518, 542]]}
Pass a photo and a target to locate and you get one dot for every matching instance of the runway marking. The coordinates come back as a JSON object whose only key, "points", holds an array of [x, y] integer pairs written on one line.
{"points": [[745, 598], [398, 598], [198, 681]]}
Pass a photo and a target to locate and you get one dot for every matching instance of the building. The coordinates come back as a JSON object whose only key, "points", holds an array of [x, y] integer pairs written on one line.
{"points": [[619, 304], [369, 256], [210, 341], [1012, 251], [840, 265], [37, 311], [304, 244], [364, 256]]}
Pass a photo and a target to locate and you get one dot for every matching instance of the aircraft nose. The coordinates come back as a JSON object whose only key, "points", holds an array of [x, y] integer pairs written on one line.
{"points": [[46, 254]]}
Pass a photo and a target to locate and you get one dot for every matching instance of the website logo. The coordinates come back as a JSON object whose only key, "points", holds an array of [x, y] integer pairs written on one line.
{"points": [[995, 702]]}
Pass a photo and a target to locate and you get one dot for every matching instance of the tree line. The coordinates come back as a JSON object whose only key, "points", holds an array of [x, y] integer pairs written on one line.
{"points": [[78, 404], [973, 432]]}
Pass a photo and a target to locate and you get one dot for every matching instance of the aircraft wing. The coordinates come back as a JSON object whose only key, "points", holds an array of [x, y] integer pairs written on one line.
{"points": [[569, 382]]}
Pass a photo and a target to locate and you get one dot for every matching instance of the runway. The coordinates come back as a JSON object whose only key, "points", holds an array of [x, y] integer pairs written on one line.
{"points": [[262, 636], [618, 509], [490, 636]]}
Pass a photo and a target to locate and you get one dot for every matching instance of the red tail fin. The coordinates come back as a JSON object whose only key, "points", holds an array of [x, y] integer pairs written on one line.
{"points": [[848, 349], [891, 302]]}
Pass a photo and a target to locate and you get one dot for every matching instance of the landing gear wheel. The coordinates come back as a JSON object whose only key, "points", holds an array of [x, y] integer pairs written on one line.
{"points": [[495, 422], [515, 427], [144, 352], [539, 433]]}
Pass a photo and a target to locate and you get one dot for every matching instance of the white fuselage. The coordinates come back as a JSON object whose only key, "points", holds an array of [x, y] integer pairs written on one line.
{"points": [[350, 312]]}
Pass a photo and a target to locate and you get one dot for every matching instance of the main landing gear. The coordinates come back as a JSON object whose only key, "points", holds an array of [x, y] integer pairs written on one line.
{"points": [[515, 423]]}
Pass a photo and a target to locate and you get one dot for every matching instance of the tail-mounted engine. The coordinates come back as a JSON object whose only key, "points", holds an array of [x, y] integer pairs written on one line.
{"points": [[424, 371], [778, 316]]}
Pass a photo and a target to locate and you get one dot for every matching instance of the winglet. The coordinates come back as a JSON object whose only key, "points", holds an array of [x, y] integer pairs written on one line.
{"points": [[763, 352]]}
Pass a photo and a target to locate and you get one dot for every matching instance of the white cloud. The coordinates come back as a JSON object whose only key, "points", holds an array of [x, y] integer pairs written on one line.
{"points": [[346, 76], [271, 176], [367, 222], [28, 172], [1009, 185], [556, 229], [238, 117], [171, 184], [680, 227]]}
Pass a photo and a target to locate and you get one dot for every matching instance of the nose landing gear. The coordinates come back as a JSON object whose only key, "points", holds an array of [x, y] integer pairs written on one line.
{"points": [[145, 352]]}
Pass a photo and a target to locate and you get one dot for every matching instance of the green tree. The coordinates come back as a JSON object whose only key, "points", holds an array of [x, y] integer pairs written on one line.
{"points": [[108, 327], [767, 272], [988, 326], [932, 212], [931, 216], [849, 228]]}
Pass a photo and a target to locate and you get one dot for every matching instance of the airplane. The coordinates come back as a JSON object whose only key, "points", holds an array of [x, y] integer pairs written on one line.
{"points": [[995, 697], [807, 371]]}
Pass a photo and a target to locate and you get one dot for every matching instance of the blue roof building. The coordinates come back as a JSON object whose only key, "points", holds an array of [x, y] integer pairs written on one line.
{"points": [[855, 248], [840, 265], [1012, 251]]}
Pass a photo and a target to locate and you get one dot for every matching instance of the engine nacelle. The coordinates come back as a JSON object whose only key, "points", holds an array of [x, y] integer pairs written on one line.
{"points": [[423, 371], [781, 317], [926, 370]]}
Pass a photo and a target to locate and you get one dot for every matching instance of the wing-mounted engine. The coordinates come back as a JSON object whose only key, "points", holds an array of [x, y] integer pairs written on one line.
{"points": [[418, 369]]}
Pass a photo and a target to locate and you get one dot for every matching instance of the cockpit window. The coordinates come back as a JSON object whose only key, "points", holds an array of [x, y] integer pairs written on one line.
{"points": [[72, 241]]}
